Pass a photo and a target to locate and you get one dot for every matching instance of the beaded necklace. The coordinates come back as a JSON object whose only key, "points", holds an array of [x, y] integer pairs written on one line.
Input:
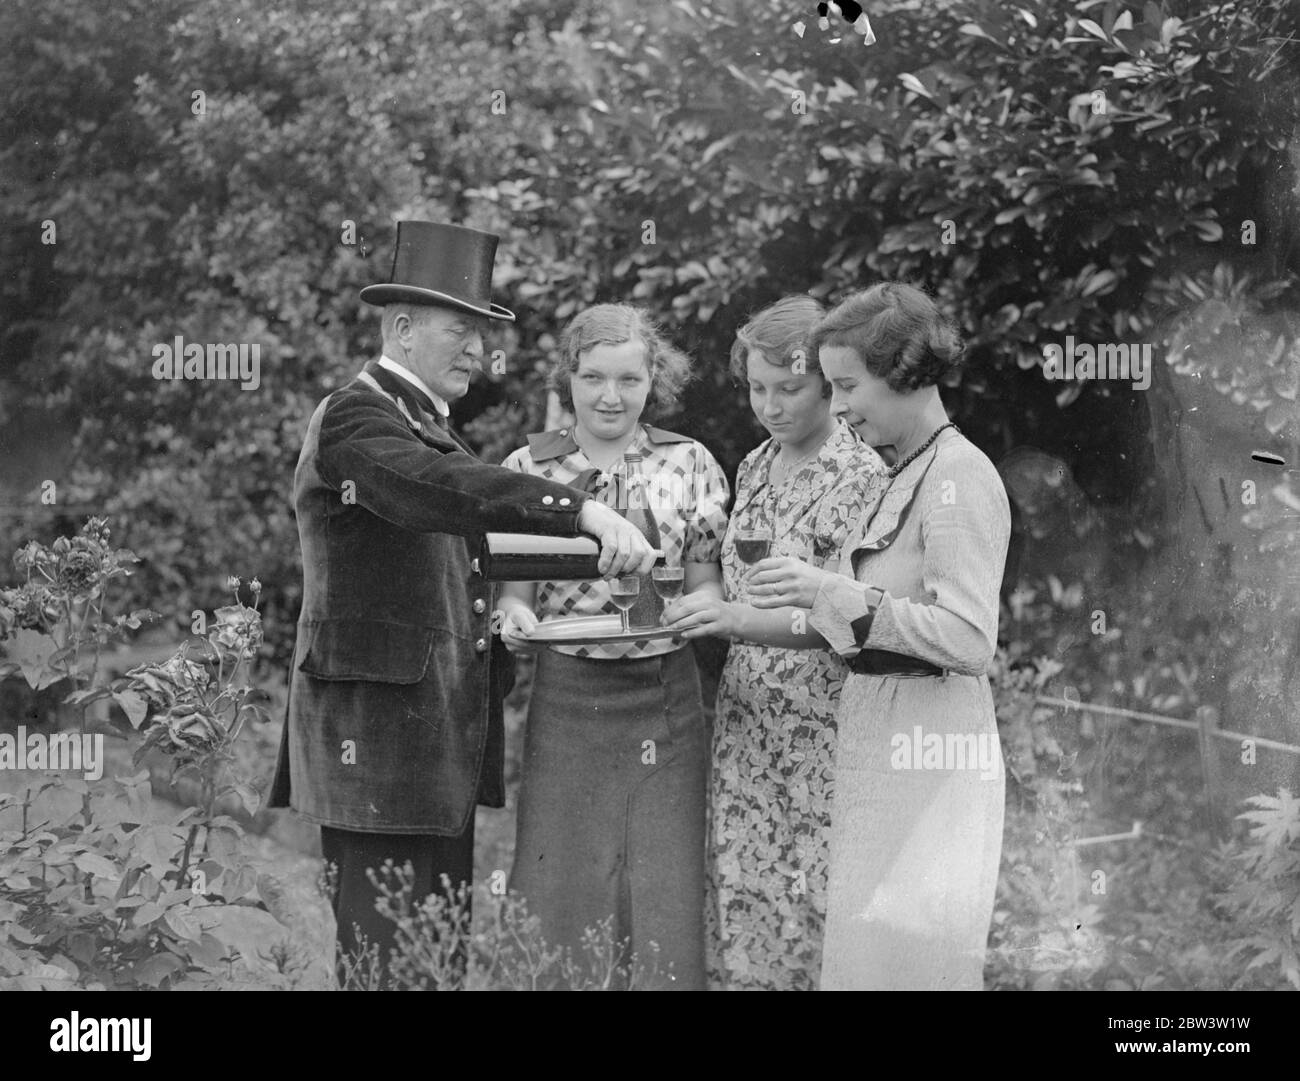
{"points": [[899, 467]]}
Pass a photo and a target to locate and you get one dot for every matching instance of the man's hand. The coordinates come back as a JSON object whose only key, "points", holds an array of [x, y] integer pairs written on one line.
{"points": [[623, 547]]}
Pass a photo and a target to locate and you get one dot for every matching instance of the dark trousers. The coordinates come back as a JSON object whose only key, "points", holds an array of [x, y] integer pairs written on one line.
{"points": [[360, 924]]}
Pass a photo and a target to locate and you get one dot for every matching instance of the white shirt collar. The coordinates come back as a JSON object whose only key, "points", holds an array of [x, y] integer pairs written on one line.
{"points": [[391, 365]]}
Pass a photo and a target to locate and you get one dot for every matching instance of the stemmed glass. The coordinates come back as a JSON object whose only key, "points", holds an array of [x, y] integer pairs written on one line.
{"points": [[668, 581], [624, 591], [753, 545]]}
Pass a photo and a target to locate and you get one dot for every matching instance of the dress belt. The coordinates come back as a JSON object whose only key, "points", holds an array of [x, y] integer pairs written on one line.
{"points": [[883, 662]]}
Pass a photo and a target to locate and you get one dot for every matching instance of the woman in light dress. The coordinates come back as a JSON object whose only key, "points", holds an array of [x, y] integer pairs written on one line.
{"points": [[916, 821]]}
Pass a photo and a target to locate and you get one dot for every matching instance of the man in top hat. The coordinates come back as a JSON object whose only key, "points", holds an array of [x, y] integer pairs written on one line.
{"points": [[394, 729]]}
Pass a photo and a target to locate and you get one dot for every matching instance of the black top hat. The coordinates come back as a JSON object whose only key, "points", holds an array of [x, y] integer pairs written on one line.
{"points": [[441, 264]]}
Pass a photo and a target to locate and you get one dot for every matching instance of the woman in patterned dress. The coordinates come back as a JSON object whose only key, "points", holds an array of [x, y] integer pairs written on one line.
{"points": [[774, 729], [612, 798], [917, 823]]}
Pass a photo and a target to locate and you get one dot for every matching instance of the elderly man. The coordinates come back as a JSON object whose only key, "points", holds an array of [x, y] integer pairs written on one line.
{"points": [[394, 730]]}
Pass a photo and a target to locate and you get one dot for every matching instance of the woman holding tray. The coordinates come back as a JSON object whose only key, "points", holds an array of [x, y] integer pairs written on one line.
{"points": [[612, 798], [917, 818]]}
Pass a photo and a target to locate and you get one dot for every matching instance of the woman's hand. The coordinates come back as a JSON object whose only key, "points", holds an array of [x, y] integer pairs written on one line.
{"points": [[517, 621], [781, 581], [704, 613]]}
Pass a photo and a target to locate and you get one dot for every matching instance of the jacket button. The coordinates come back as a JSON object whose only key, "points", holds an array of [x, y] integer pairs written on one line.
{"points": [[480, 646], [480, 606], [565, 501], [548, 499]]}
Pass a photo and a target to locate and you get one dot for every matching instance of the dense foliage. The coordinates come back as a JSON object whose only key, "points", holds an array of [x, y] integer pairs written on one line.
{"points": [[229, 172], [99, 886]]}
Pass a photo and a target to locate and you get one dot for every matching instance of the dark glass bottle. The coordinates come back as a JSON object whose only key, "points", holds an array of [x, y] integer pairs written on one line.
{"points": [[634, 505], [523, 557]]}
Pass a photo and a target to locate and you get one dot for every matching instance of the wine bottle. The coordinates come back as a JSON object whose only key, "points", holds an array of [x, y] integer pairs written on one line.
{"points": [[634, 504], [525, 557]]}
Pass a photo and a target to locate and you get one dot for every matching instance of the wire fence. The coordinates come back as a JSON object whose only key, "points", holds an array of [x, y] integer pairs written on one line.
{"points": [[1206, 728]]}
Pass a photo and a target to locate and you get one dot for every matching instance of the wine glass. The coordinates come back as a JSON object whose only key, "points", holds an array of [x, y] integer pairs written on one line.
{"points": [[624, 591], [753, 544], [668, 581]]}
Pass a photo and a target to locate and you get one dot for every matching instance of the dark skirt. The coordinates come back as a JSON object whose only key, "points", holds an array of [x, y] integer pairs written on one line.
{"points": [[611, 808]]}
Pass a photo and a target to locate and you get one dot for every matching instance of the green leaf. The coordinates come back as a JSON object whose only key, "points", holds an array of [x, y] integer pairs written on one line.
{"points": [[184, 924], [96, 865], [240, 885], [249, 796], [977, 31], [43, 971], [84, 698], [176, 897], [273, 895], [153, 970], [32, 651], [223, 843], [131, 902], [913, 84], [1102, 280], [209, 951], [147, 913], [155, 845], [1208, 230], [134, 705]]}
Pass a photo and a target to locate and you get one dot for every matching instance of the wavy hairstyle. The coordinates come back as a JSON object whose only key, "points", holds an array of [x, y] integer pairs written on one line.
{"points": [[897, 332], [777, 331], [614, 324]]}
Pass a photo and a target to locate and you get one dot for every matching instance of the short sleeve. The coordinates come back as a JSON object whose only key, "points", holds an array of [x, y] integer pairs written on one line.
{"points": [[706, 519], [517, 460], [842, 511]]}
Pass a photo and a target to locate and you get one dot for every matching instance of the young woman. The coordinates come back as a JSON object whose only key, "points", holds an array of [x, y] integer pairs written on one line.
{"points": [[917, 822], [612, 799], [774, 729]]}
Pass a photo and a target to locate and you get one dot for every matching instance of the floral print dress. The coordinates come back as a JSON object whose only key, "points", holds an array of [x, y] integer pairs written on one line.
{"points": [[774, 734]]}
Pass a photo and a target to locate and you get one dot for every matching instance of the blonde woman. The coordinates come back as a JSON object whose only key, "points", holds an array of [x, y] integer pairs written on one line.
{"points": [[612, 799]]}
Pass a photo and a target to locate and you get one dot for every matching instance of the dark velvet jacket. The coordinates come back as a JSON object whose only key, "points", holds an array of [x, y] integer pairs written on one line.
{"points": [[394, 721]]}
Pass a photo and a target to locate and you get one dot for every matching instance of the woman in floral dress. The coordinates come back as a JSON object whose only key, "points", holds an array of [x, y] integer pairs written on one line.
{"points": [[774, 731], [913, 609]]}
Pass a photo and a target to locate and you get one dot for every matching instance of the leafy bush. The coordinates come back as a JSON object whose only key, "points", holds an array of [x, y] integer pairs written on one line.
{"points": [[110, 896], [438, 947], [1265, 891], [56, 613], [1165, 908], [100, 892], [230, 226]]}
